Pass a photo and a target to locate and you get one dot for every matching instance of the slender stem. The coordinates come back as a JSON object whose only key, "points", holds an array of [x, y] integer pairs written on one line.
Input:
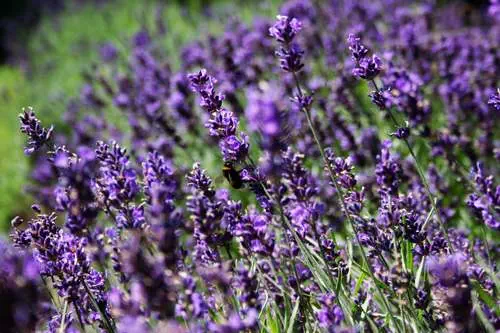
{"points": [[62, 329], [107, 321], [485, 236], [79, 316], [228, 251], [51, 295], [342, 201]]}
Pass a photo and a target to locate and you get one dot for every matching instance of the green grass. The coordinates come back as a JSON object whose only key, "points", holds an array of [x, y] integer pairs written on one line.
{"points": [[13, 163], [65, 46]]}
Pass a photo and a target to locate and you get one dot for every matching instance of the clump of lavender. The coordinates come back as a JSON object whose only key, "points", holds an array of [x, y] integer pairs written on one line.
{"points": [[62, 258], [151, 241]]}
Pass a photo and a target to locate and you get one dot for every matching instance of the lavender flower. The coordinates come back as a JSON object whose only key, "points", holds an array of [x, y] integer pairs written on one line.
{"points": [[494, 100], [148, 275], [330, 313], [485, 202], [291, 58], [62, 257], [206, 214], [222, 123], [108, 52], [249, 286], [74, 193], [235, 323], [300, 204], [118, 185], [403, 91], [32, 127], [290, 54], [388, 170], [366, 67], [451, 286], [285, 29]]}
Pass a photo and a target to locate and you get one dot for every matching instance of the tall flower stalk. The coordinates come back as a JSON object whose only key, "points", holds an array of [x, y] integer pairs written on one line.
{"points": [[368, 68], [290, 54]]}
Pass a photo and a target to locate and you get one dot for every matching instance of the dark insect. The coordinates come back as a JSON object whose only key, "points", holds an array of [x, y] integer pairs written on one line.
{"points": [[232, 175]]}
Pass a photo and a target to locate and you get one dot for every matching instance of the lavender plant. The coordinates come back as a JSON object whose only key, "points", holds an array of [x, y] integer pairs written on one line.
{"points": [[344, 210]]}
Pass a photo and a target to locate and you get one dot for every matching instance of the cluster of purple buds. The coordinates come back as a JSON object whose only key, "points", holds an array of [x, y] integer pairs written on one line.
{"points": [[403, 91], [485, 201], [366, 67], [494, 101], [290, 54], [74, 193], [62, 258], [451, 287], [300, 201], [222, 123], [402, 133], [388, 169], [117, 186], [36, 133], [330, 314]]}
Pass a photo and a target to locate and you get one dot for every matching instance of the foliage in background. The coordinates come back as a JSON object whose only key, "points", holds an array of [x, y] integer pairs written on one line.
{"points": [[65, 46]]}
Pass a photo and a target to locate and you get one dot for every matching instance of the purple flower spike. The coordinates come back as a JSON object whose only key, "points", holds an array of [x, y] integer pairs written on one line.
{"points": [[358, 50], [485, 201], [285, 29], [32, 127], [234, 148], [366, 67], [222, 123], [291, 58], [494, 100]]}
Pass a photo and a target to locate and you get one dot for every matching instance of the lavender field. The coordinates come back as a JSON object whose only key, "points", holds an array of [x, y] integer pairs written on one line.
{"points": [[295, 166]]}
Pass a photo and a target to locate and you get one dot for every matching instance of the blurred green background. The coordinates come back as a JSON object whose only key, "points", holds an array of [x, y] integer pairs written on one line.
{"points": [[64, 44]]}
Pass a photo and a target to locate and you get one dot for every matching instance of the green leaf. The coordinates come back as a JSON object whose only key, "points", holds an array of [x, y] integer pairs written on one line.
{"points": [[294, 315], [485, 297], [272, 324], [359, 282], [419, 272], [407, 255]]}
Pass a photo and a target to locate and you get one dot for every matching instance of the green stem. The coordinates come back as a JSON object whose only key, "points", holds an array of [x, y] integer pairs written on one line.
{"points": [[63, 318], [79, 316], [107, 321]]}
